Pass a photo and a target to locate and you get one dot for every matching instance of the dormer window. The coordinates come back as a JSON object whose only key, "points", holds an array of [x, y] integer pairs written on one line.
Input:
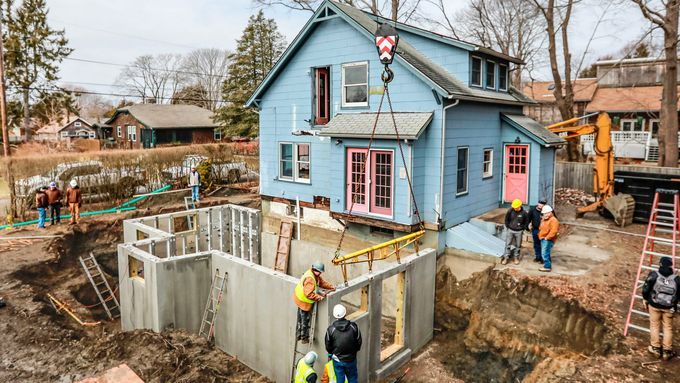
{"points": [[476, 72], [322, 101], [490, 74], [502, 77]]}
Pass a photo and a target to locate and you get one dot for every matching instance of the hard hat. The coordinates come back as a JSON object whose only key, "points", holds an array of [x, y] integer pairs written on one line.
{"points": [[53, 184], [310, 358], [546, 209], [74, 183], [516, 203], [339, 311], [318, 266]]}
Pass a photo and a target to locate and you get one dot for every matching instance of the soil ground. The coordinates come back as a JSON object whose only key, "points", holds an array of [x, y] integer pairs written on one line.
{"points": [[40, 345], [505, 324]]}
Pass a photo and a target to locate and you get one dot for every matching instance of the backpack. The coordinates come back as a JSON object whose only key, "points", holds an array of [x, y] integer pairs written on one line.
{"points": [[664, 290]]}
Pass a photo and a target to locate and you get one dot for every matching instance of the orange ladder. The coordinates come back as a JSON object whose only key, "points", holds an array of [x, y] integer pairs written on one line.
{"points": [[661, 240]]}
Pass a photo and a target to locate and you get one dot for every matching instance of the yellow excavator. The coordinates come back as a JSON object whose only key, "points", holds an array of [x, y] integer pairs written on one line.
{"points": [[620, 206]]}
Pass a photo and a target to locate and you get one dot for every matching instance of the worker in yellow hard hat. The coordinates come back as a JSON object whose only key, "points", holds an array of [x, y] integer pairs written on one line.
{"points": [[516, 221]]}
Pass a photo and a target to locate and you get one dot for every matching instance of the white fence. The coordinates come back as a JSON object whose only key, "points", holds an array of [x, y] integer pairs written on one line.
{"points": [[640, 145]]}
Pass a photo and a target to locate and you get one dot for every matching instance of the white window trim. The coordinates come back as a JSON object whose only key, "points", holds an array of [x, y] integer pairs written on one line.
{"points": [[77, 124], [481, 71], [296, 176], [507, 74], [488, 174], [217, 134], [132, 133], [495, 74], [467, 171], [633, 121], [91, 135], [342, 76], [119, 131], [64, 134]]}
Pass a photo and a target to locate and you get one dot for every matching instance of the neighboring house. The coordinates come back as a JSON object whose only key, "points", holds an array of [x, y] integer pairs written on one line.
{"points": [[151, 125], [77, 128], [545, 109], [467, 146]]}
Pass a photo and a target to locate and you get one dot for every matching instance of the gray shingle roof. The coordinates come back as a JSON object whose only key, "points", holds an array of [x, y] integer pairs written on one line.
{"points": [[159, 116], [534, 129], [360, 125], [433, 71]]}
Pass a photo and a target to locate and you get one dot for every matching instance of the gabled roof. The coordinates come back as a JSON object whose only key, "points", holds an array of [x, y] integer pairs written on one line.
{"points": [[539, 91], [627, 99], [360, 125], [439, 78], [160, 116], [533, 129], [55, 127]]}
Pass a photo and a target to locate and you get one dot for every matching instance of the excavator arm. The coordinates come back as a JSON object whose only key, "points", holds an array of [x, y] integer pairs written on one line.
{"points": [[603, 169]]}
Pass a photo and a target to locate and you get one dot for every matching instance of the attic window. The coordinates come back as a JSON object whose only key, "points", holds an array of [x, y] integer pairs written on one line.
{"points": [[476, 72], [76, 124], [490, 74]]}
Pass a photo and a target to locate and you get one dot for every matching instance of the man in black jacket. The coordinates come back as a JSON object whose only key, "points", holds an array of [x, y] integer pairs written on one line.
{"points": [[343, 341], [661, 293], [516, 221], [535, 220]]}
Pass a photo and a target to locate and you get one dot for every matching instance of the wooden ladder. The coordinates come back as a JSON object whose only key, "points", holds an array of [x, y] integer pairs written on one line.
{"points": [[207, 329], [663, 233], [101, 286], [283, 247]]}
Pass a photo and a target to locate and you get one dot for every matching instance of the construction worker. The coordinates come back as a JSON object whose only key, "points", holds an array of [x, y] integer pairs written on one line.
{"points": [[661, 293], [194, 183], [54, 199], [41, 203], [547, 233], [74, 198], [329, 372], [304, 371], [535, 221], [305, 295], [343, 342], [516, 221]]}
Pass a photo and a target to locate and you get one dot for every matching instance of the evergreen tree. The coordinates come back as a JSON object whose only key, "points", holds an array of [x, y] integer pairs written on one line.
{"points": [[33, 52], [257, 51], [192, 95]]}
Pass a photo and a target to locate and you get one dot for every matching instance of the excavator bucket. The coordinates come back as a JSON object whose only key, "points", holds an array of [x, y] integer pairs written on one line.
{"points": [[621, 206]]}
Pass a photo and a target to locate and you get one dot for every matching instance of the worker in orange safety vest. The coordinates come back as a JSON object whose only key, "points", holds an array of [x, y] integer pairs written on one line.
{"points": [[306, 294]]}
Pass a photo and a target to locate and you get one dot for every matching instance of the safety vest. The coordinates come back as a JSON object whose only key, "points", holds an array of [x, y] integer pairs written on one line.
{"points": [[300, 289], [330, 371], [303, 371]]}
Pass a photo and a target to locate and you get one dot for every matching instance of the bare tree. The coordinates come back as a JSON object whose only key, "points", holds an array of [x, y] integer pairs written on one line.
{"points": [[398, 10], [513, 27], [154, 78], [206, 70], [664, 15]]}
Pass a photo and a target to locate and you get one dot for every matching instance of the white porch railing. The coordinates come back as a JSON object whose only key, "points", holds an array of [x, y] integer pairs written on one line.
{"points": [[640, 145]]}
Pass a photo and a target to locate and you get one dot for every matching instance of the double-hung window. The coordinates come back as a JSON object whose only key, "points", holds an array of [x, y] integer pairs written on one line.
{"points": [[119, 131], [487, 163], [462, 171], [633, 125], [64, 134], [132, 133], [370, 179], [217, 134], [654, 124], [502, 77], [322, 101], [490, 74], [476, 72], [355, 84], [294, 162]]}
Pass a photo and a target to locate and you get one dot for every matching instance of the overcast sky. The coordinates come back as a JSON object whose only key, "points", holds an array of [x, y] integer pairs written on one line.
{"points": [[118, 31]]}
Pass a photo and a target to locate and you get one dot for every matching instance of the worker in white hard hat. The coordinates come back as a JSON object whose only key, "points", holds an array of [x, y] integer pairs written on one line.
{"points": [[306, 294], [547, 233], [304, 371], [343, 342]]}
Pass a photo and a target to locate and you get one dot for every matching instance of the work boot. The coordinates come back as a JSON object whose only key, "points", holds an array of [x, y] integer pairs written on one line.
{"points": [[304, 340], [538, 260], [515, 261], [656, 351], [668, 354], [504, 261], [545, 270]]}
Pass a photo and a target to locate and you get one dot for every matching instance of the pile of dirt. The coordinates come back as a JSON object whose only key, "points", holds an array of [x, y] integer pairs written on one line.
{"points": [[574, 197], [497, 327]]}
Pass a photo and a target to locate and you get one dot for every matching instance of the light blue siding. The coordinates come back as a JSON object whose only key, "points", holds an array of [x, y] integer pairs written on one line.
{"points": [[546, 175], [454, 60]]}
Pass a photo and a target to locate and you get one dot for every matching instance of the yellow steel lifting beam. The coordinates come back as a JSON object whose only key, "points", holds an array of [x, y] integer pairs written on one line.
{"points": [[378, 252]]}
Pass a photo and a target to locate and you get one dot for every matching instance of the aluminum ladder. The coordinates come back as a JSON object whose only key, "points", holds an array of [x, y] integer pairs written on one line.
{"points": [[212, 306], [661, 240], [298, 353], [101, 286]]}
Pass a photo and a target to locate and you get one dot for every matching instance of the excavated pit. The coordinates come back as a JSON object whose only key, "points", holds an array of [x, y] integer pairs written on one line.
{"points": [[498, 328]]}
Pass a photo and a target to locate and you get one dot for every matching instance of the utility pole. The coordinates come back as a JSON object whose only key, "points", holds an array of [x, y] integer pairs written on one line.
{"points": [[5, 132]]}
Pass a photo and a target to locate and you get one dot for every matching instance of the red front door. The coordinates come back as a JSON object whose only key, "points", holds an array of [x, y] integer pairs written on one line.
{"points": [[516, 173]]}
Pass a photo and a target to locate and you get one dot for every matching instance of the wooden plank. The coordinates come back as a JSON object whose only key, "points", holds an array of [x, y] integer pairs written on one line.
{"points": [[399, 309], [364, 299], [376, 222], [321, 203], [389, 351], [283, 247]]}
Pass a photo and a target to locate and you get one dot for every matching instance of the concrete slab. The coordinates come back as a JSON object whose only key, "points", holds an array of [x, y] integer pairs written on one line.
{"points": [[469, 237]]}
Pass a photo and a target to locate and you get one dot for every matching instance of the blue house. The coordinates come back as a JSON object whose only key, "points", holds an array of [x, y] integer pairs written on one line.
{"points": [[466, 145]]}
